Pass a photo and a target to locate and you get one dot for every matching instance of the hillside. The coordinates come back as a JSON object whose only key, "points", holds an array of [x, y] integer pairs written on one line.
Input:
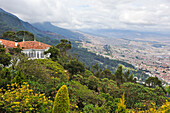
{"points": [[11, 22]]}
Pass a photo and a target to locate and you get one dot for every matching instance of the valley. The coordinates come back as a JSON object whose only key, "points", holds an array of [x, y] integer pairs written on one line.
{"points": [[152, 57]]}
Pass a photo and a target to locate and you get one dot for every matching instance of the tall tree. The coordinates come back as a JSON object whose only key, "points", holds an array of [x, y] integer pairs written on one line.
{"points": [[119, 75], [107, 73], [64, 45], [95, 68], [10, 35], [18, 36], [26, 35], [55, 53]]}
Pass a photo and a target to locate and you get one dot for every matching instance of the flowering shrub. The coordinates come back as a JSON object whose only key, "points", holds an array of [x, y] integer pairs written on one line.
{"points": [[165, 108], [121, 105], [22, 99]]}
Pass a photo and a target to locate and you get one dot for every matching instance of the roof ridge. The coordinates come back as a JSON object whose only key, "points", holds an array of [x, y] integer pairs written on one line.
{"points": [[26, 44]]}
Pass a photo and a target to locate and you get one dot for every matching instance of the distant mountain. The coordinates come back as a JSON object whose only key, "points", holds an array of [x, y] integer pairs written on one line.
{"points": [[47, 26], [129, 34], [10, 22]]}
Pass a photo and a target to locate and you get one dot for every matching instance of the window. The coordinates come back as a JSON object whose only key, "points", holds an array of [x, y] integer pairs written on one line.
{"points": [[42, 55], [29, 54], [34, 53], [37, 54]]}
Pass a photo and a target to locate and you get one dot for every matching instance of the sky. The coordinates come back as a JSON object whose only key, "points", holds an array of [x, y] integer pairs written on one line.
{"points": [[149, 15]]}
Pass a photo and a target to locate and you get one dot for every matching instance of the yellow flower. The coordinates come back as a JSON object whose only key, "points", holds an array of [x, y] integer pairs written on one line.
{"points": [[16, 102]]}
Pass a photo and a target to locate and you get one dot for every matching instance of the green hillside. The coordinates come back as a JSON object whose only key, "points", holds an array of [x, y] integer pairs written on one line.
{"points": [[31, 86]]}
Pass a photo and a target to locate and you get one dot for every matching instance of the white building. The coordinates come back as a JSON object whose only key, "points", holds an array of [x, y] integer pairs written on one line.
{"points": [[32, 49]]}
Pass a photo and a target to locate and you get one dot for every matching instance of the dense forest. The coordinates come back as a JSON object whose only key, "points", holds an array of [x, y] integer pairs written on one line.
{"points": [[44, 85]]}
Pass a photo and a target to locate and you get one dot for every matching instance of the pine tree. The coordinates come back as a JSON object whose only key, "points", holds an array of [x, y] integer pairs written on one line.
{"points": [[61, 102], [119, 75]]}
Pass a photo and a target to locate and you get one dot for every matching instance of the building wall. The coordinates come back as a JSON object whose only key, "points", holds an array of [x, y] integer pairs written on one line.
{"points": [[36, 53]]}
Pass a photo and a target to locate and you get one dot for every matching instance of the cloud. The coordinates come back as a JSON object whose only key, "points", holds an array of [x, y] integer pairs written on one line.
{"points": [[95, 14]]}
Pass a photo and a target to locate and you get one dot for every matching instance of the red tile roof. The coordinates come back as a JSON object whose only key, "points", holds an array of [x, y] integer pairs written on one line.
{"points": [[25, 45]]}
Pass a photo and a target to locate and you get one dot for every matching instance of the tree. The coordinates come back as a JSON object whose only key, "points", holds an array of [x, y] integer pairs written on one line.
{"points": [[95, 68], [25, 34], [107, 73], [126, 75], [55, 53], [62, 101], [5, 58], [64, 45], [168, 89], [10, 35], [16, 50], [119, 75], [18, 36], [153, 82], [74, 67]]}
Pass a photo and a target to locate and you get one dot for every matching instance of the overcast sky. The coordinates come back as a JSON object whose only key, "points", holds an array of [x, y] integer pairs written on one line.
{"points": [[96, 14]]}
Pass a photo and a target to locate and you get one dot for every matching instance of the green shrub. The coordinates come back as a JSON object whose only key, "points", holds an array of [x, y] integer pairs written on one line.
{"points": [[62, 102]]}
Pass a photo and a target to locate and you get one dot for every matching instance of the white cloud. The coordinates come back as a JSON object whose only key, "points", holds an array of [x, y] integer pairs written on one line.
{"points": [[96, 14]]}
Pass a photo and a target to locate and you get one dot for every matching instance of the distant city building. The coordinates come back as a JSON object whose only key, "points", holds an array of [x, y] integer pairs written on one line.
{"points": [[32, 49]]}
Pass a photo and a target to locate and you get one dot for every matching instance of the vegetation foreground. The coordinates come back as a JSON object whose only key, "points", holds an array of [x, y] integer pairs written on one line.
{"points": [[62, 84]]}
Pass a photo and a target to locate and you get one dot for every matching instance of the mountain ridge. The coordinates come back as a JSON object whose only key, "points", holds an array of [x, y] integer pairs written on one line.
{"points": [[10, 22], [47, 26]]}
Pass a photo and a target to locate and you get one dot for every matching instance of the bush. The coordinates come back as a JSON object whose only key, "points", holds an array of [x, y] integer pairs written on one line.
{"points": [[121, 105], [22, 99], [165, 108], [138, 95], [62, 102], [42, 69]]}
